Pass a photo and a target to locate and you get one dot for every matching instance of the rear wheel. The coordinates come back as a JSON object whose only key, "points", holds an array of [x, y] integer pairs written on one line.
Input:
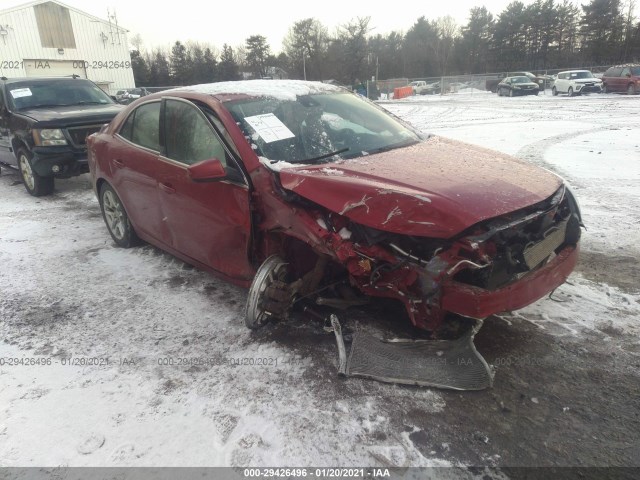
{"points": [[268, 296], [554, 92], [34, 184], [116, 218], [511, 93], [631, 89], [605, 89], [570, 92]]}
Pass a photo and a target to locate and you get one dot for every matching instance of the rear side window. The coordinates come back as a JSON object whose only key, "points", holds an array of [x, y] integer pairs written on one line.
{"points": [[143, 126], [613, 72]]}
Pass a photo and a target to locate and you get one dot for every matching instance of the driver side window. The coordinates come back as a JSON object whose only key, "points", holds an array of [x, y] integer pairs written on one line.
{"points": [[188, 136]]}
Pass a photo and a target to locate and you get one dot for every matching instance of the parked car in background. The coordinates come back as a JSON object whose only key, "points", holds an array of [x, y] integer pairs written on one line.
{"points": [[419, 87], [576, 82], [622, 78], [120, 94], [513, 86], [262, 182], [540, 80], [44, 123], [132, 94]]}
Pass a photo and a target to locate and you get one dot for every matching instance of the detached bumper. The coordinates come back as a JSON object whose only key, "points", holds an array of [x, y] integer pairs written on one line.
{"points": [[70, 162], [479, 303]]}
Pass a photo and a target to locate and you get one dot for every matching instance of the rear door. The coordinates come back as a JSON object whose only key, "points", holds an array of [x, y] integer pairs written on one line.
{"points": [[208, 222], [133, 160]]}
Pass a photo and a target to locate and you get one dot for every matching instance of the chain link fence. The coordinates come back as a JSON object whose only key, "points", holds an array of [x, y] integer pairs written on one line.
{"points": [[478, 84]]}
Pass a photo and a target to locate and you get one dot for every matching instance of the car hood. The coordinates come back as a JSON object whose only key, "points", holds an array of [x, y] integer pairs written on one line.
{"points": [[63, 116], [436, 188]]}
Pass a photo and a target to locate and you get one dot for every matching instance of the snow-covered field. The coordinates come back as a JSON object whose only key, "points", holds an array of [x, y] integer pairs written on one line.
{"points": [[168, 375]]}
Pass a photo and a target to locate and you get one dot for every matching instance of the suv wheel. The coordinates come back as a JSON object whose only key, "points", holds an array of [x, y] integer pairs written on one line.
{"points": [[34, 184], [116, 218], [605, 89], [631, 89], [570, 92], [554, 92]]}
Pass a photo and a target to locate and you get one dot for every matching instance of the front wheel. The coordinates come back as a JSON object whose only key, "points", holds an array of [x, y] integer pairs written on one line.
{"points": [[511, 93], [631, 89], [554, 92], [34, 184], [605, 89], [570, 92], [116, 218], [268, 295]]}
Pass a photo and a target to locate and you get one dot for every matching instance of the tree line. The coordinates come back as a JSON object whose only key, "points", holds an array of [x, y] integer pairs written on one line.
{"points": [[543, 35]]}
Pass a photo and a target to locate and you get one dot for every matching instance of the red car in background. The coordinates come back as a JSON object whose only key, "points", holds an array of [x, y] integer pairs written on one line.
{"points": [[622, 78], [305, 191]]}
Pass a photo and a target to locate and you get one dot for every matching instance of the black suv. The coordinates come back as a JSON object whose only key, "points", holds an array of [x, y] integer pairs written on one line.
{"points": [[44, 124]]}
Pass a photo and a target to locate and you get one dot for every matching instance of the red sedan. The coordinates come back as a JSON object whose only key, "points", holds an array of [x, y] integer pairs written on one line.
{"points": [[305, 192]]}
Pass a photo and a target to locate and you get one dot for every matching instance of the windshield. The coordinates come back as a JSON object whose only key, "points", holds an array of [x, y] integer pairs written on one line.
{"points": [[318, 127], [54, 93], [521, 80], [581, 75]]}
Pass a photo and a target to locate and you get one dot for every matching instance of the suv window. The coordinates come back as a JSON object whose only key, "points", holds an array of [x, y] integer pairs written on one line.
{"points": [[35, 94], [625, 71], [562, 76], [188, 136], [613, 72], [142, 127], [635, 70]]}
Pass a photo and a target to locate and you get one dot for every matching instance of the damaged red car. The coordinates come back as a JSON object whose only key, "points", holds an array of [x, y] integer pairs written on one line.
{"points": [[306, 191]]}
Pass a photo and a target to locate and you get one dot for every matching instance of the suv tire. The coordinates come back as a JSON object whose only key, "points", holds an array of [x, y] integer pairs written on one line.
{"points": [[631, 89], [554, 92], [570, 92], [34, 184]]}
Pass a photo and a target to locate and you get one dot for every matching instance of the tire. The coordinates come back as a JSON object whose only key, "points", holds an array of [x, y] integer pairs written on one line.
{"points": [[34, 184], [570, 92], [605, 89], [511, 93], [499, 92], [257, 312], [554, 92], [631, 89], [116, 219]]}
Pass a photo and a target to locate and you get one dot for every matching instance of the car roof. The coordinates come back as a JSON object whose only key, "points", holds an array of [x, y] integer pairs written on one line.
{"points": [[281, 89], [39, 79], [574, 71]]}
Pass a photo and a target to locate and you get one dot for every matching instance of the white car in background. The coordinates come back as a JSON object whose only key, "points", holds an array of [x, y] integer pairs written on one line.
{"points": [[576, 82]]}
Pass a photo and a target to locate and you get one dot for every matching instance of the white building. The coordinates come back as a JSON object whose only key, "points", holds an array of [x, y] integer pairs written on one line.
{"points": [[48, 38]]}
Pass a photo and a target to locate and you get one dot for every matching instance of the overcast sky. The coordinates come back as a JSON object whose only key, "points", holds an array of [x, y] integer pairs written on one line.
{"points": [[219, 22]]}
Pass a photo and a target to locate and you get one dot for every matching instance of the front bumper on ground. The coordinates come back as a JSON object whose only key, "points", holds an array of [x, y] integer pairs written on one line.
{"points": [[70, 161], [476, 302]]}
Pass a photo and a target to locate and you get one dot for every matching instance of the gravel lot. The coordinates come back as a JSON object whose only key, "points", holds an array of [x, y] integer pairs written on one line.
{"points": [[566, 385]]}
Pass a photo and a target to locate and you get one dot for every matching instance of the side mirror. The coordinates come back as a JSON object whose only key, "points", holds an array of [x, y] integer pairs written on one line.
{"points": [[207, 171]]}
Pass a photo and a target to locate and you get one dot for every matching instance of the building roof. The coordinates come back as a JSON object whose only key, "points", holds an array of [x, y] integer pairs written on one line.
{"points": [[80, 12]]}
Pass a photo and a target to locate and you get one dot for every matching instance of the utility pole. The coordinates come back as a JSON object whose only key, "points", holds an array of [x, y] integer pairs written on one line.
{"points": [[304, 65]]}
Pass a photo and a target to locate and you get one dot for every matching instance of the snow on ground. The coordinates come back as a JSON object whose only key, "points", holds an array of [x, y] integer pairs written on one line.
{"points": [[178, 382]]}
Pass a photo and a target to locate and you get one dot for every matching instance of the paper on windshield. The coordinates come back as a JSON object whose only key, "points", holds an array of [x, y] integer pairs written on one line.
{"points": [[21, 92], [269, 127]]}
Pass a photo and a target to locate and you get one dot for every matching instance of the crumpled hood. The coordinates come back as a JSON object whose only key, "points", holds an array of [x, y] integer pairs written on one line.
{"points": [[436, 188]]}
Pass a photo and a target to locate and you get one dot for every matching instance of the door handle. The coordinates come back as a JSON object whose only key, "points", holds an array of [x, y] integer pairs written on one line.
{"points": [[167, 187], [118, 163]]}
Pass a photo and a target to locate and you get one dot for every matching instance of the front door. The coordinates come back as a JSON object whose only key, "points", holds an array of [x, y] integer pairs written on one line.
{"points": [[208, 222]]}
